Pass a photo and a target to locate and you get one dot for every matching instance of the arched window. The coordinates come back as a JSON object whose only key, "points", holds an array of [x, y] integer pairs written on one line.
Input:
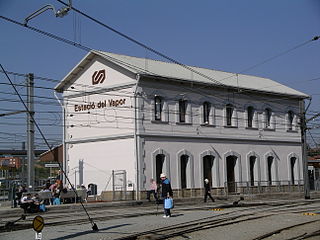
{"points": [[290, 119], [157, 108], [250, 113], [229, 113], [182, 110], [268, 113], [206, 112]]}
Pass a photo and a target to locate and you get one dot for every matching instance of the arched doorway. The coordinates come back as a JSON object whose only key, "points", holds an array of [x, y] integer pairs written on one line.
{"points": [[184, 161], [292, 168], [207, 167], [231, 163], [270, 164], [252, 163], [159, 166]]}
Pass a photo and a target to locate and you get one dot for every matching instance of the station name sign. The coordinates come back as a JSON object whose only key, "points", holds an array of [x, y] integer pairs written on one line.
{"points": [[100, 104]]}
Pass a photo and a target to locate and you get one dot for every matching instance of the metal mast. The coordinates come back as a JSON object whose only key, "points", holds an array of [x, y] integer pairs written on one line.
{"points": [[30, 131]]}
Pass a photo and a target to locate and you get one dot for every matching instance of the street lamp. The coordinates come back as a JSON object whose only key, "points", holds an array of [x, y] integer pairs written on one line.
{"points": [[59, 13]]}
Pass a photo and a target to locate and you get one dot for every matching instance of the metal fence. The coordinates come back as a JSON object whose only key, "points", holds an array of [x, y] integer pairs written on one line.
{"points": [[4, 194], [258, 187], [316, 185]]}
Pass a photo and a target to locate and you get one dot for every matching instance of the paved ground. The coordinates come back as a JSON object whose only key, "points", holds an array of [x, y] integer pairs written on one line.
{"points": [[146, 219], [255, 228], [112, 229]]}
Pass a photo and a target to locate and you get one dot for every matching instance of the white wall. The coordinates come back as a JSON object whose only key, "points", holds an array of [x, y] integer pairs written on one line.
{"points": [[114, 75], [100, 123], [219, 99], [114, 117], [172, 146], [100, 158], [197, 138], [99, 110]]}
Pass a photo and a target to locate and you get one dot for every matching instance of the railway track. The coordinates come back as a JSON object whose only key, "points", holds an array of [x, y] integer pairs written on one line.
{"points": [[228, 219], [232, 216], [191, 227]]}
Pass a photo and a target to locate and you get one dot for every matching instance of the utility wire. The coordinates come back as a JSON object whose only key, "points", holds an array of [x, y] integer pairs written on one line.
{"points": [[216, 96], [312, 138], [218, 82], [89, 49], [276, 56], [89, 86], [143, 45]]}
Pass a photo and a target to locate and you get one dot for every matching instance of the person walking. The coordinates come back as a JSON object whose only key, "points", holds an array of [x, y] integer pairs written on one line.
{"points": [[166, 192], [153, 190], [207, 190]]}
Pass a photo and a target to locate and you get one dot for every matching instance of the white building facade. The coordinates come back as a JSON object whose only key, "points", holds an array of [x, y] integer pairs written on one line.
{"points": [[144, 117]]}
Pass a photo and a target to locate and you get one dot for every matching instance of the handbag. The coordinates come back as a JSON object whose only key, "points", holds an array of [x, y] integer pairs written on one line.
{"points": [[168, 203], [56, 201], [42, 208]]}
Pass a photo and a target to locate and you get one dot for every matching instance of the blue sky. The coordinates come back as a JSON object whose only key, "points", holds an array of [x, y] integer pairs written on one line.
{"points": [[228, 35]]}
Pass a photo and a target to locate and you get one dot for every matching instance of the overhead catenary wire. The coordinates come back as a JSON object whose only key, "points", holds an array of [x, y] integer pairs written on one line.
{"points": [[89, 49], [77, 45], [314, 141], [217, 96], [69, 42], [218, 82], [143, 45], [100, 88], [127, 37], [146, 110]]}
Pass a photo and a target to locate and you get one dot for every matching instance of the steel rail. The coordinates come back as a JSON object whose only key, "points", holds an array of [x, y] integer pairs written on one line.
{"points": [[266, 235], [193, 226]]}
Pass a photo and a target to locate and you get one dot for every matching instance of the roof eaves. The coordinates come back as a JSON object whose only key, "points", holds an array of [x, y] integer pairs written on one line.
{"points": [[87, 58], [302, 96]]}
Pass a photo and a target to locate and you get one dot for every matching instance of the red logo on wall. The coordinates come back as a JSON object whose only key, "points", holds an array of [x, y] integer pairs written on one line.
{"points": [[98, 77]]}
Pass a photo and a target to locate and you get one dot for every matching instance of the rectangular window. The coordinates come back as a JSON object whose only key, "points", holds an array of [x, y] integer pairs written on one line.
{"points": [[182, 110], [290, 120], [157, 108], [229, 113], [206, 112], [250, 112], [268, 113]]}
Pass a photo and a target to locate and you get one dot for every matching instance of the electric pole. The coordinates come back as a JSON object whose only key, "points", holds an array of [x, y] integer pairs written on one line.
{"points": [[30, 131]]}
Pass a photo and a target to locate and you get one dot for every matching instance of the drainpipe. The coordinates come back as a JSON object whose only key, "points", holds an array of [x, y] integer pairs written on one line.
{"points": [[136, 138], [303, 128], [64, 163]]}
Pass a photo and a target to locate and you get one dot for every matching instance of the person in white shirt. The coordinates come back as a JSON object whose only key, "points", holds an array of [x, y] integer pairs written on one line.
{"points": [[25, 202], [29, 204]]}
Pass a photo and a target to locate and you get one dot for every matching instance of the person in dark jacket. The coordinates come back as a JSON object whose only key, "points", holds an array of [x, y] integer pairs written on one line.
{"points": [[166, 191], [207, 190]]}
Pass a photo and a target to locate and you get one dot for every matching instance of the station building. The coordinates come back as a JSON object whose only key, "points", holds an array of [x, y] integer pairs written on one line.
{"points": [[140, 117]]}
